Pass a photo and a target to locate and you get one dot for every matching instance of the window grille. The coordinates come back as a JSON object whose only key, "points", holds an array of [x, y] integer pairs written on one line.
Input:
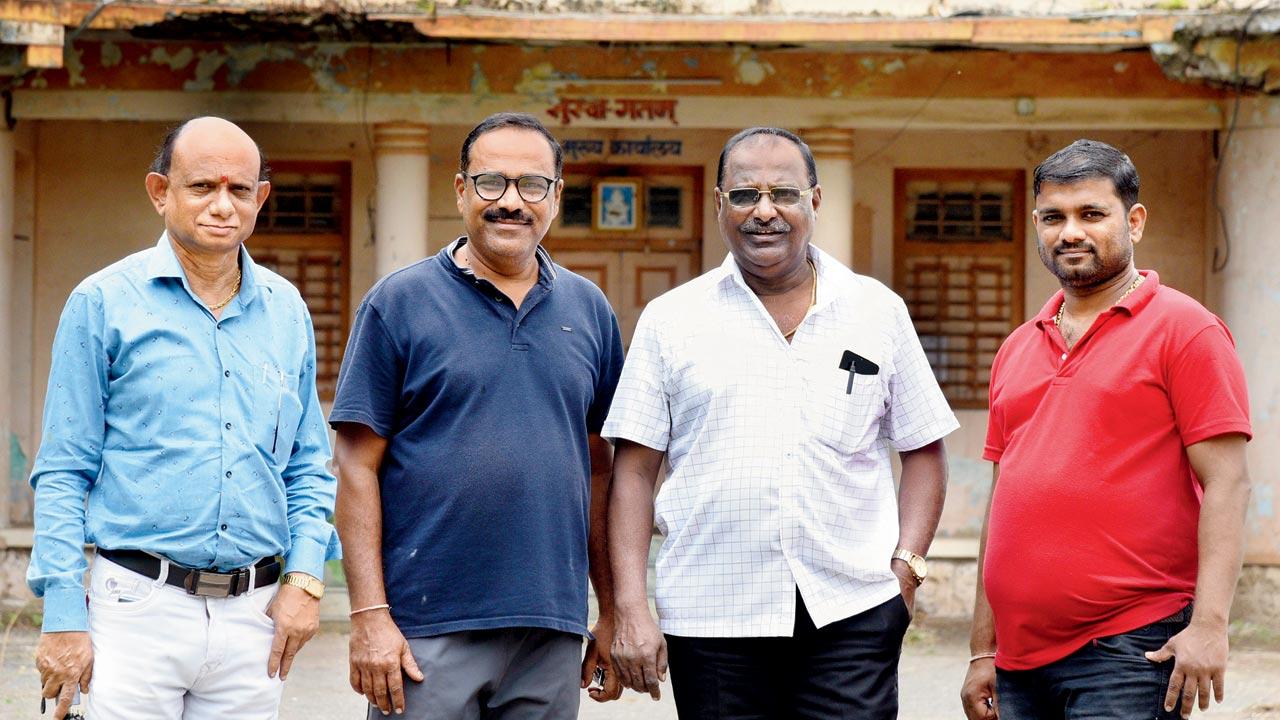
{"points": [[302, 234], [958, 265]]}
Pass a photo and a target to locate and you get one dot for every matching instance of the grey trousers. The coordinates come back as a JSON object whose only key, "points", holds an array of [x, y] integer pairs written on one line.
{"points": [[503, 674]]}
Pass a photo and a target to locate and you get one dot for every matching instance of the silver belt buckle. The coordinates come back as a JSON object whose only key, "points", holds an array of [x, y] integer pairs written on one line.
{"points": [[210, 584]]}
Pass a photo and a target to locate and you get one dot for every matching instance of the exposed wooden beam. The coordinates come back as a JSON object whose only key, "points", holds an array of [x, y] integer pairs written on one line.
{"points": [[120, 15], [1100, 32], [1114, 31]]}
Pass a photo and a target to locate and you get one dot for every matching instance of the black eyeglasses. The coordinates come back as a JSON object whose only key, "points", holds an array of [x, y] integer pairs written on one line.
{"points": [[746, 197], [532, 188]]}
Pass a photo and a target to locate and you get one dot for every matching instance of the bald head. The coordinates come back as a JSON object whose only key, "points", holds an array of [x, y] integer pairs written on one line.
{"points": [[206, 132]]}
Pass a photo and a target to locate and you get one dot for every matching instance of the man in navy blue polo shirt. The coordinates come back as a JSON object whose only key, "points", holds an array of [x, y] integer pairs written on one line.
{"points": [[472, 479]]}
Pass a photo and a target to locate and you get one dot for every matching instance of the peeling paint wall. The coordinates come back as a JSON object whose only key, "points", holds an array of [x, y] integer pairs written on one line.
{"points": [[1247, 297], [542, 71], [21, 441]]}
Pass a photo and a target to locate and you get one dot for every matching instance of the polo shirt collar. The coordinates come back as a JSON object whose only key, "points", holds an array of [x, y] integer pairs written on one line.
{"points": [[546, 267], [1137, 300], [164, 263]]}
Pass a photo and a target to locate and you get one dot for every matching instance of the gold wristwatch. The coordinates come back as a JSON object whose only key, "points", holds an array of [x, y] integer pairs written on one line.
{"points": [[915, 563], [312, 586]]}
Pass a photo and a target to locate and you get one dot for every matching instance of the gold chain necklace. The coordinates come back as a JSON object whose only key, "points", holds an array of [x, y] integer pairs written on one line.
{"points": [[234, 290], [813, 300], [1057, 319]]}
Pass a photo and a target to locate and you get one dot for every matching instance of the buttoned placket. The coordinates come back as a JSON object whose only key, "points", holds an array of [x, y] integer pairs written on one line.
{"points": [[226, 401], [228, 382], [514, 316], [1068, 355], [789, 360]]}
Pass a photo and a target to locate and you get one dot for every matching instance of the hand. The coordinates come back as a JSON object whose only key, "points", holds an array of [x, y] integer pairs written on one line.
{"points": [[297, 618], [1201, 663], [599, 655], [378, 653], [978, 694], [65, 660], [640, 652], [907, 582]]}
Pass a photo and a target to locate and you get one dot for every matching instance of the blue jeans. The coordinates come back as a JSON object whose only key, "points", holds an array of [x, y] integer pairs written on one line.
{"points": [[1107, 679]]}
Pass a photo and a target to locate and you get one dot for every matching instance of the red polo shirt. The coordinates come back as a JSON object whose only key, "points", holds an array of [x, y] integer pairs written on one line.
{"points": [[1094, 521]]}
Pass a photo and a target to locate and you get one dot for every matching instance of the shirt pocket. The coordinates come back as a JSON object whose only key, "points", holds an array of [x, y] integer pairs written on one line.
{"points": [[279, 411], [847, 406]]}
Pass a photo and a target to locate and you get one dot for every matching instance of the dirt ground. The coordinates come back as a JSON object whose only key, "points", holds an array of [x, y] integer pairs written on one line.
{"points": [[933, 665]]}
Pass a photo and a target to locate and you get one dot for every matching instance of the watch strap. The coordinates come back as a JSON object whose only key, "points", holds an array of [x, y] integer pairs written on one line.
{"points": [[311, 585]]}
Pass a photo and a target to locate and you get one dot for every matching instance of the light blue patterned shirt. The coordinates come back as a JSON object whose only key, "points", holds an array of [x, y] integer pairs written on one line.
{"points": [[198, 439]]}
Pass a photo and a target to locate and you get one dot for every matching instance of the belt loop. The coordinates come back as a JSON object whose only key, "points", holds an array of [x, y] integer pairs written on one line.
{"points": [[253, 576], [164, 572]]}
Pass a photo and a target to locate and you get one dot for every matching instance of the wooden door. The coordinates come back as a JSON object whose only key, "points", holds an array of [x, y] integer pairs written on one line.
{"points": [[659, 249], [630, 278]]}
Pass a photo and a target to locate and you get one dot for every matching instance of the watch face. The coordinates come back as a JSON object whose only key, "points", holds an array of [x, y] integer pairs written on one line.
{"points": [[918, 566]]}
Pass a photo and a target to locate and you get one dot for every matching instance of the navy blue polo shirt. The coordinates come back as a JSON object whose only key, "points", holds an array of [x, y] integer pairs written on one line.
{"points": [[486, 480]]}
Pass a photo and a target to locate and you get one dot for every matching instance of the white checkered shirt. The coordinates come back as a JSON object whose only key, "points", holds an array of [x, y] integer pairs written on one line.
{"points": [[780, 471]]}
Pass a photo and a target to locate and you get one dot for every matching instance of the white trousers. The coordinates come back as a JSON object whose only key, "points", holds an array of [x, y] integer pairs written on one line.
{"points": [[159, 653]]}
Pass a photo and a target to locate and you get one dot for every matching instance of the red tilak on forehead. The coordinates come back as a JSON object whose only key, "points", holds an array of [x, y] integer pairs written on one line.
{"points": [[225, 180]]}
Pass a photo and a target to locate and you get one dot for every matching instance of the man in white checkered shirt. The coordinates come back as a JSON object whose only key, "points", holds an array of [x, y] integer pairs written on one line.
{"points": [[775, 385]]}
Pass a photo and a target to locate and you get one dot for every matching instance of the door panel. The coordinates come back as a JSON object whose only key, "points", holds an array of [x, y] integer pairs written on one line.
{"points": [[645, 276], [600, 267], [629, 279]]}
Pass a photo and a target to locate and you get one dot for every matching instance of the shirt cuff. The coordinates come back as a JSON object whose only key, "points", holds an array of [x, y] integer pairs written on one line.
{"points": [[306, 556], [65, 610]]}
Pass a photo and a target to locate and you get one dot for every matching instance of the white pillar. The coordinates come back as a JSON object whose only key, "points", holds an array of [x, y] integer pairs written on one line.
{"points": [[401, 160], [833, 152], [1247, 291], [6, 315]]}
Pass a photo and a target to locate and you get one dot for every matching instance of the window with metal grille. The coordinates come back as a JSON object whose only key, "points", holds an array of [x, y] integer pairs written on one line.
{"points": [[958, 249], [663, 204], [302, 234], [575, 206]]}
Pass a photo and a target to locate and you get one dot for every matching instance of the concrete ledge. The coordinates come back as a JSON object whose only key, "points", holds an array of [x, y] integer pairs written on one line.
{"points": [[954, 549], [19, 537]]}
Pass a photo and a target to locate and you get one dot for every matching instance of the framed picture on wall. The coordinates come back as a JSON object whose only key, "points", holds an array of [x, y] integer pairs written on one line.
{"points": [[617, 204]]}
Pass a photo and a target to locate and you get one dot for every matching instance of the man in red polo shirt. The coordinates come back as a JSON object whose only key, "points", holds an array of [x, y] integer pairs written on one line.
{"points": [[1118, 425]]}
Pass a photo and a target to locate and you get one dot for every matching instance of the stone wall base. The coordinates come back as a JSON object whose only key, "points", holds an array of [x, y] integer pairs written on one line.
{"points": [[947, 596]]}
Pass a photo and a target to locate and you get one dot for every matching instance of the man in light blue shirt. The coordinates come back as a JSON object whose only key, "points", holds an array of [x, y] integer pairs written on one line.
{"points": [[182, 403]]}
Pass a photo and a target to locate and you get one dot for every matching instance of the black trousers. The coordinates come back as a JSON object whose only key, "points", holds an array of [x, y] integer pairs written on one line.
{"points": [[848, 669]]}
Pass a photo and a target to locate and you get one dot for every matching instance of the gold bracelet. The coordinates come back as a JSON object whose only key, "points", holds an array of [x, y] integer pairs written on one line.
{"points": [[383, 606], [982, 656]]}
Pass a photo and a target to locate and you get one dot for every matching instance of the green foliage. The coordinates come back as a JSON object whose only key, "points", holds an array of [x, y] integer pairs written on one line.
{"points": [[334, 575]]}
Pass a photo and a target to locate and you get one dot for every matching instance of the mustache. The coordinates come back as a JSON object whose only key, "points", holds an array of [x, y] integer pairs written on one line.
{"points": [[496, 214], [755, 227], [1069, 247]]}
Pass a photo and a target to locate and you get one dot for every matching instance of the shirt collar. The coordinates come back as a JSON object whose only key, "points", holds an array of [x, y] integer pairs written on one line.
{"points": [[1134, 304], [163, 263], [546, 267], [822, 262]]}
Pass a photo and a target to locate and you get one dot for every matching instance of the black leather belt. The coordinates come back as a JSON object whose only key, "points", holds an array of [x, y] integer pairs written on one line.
{"points": [[209, 583], [1183, 616]]}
